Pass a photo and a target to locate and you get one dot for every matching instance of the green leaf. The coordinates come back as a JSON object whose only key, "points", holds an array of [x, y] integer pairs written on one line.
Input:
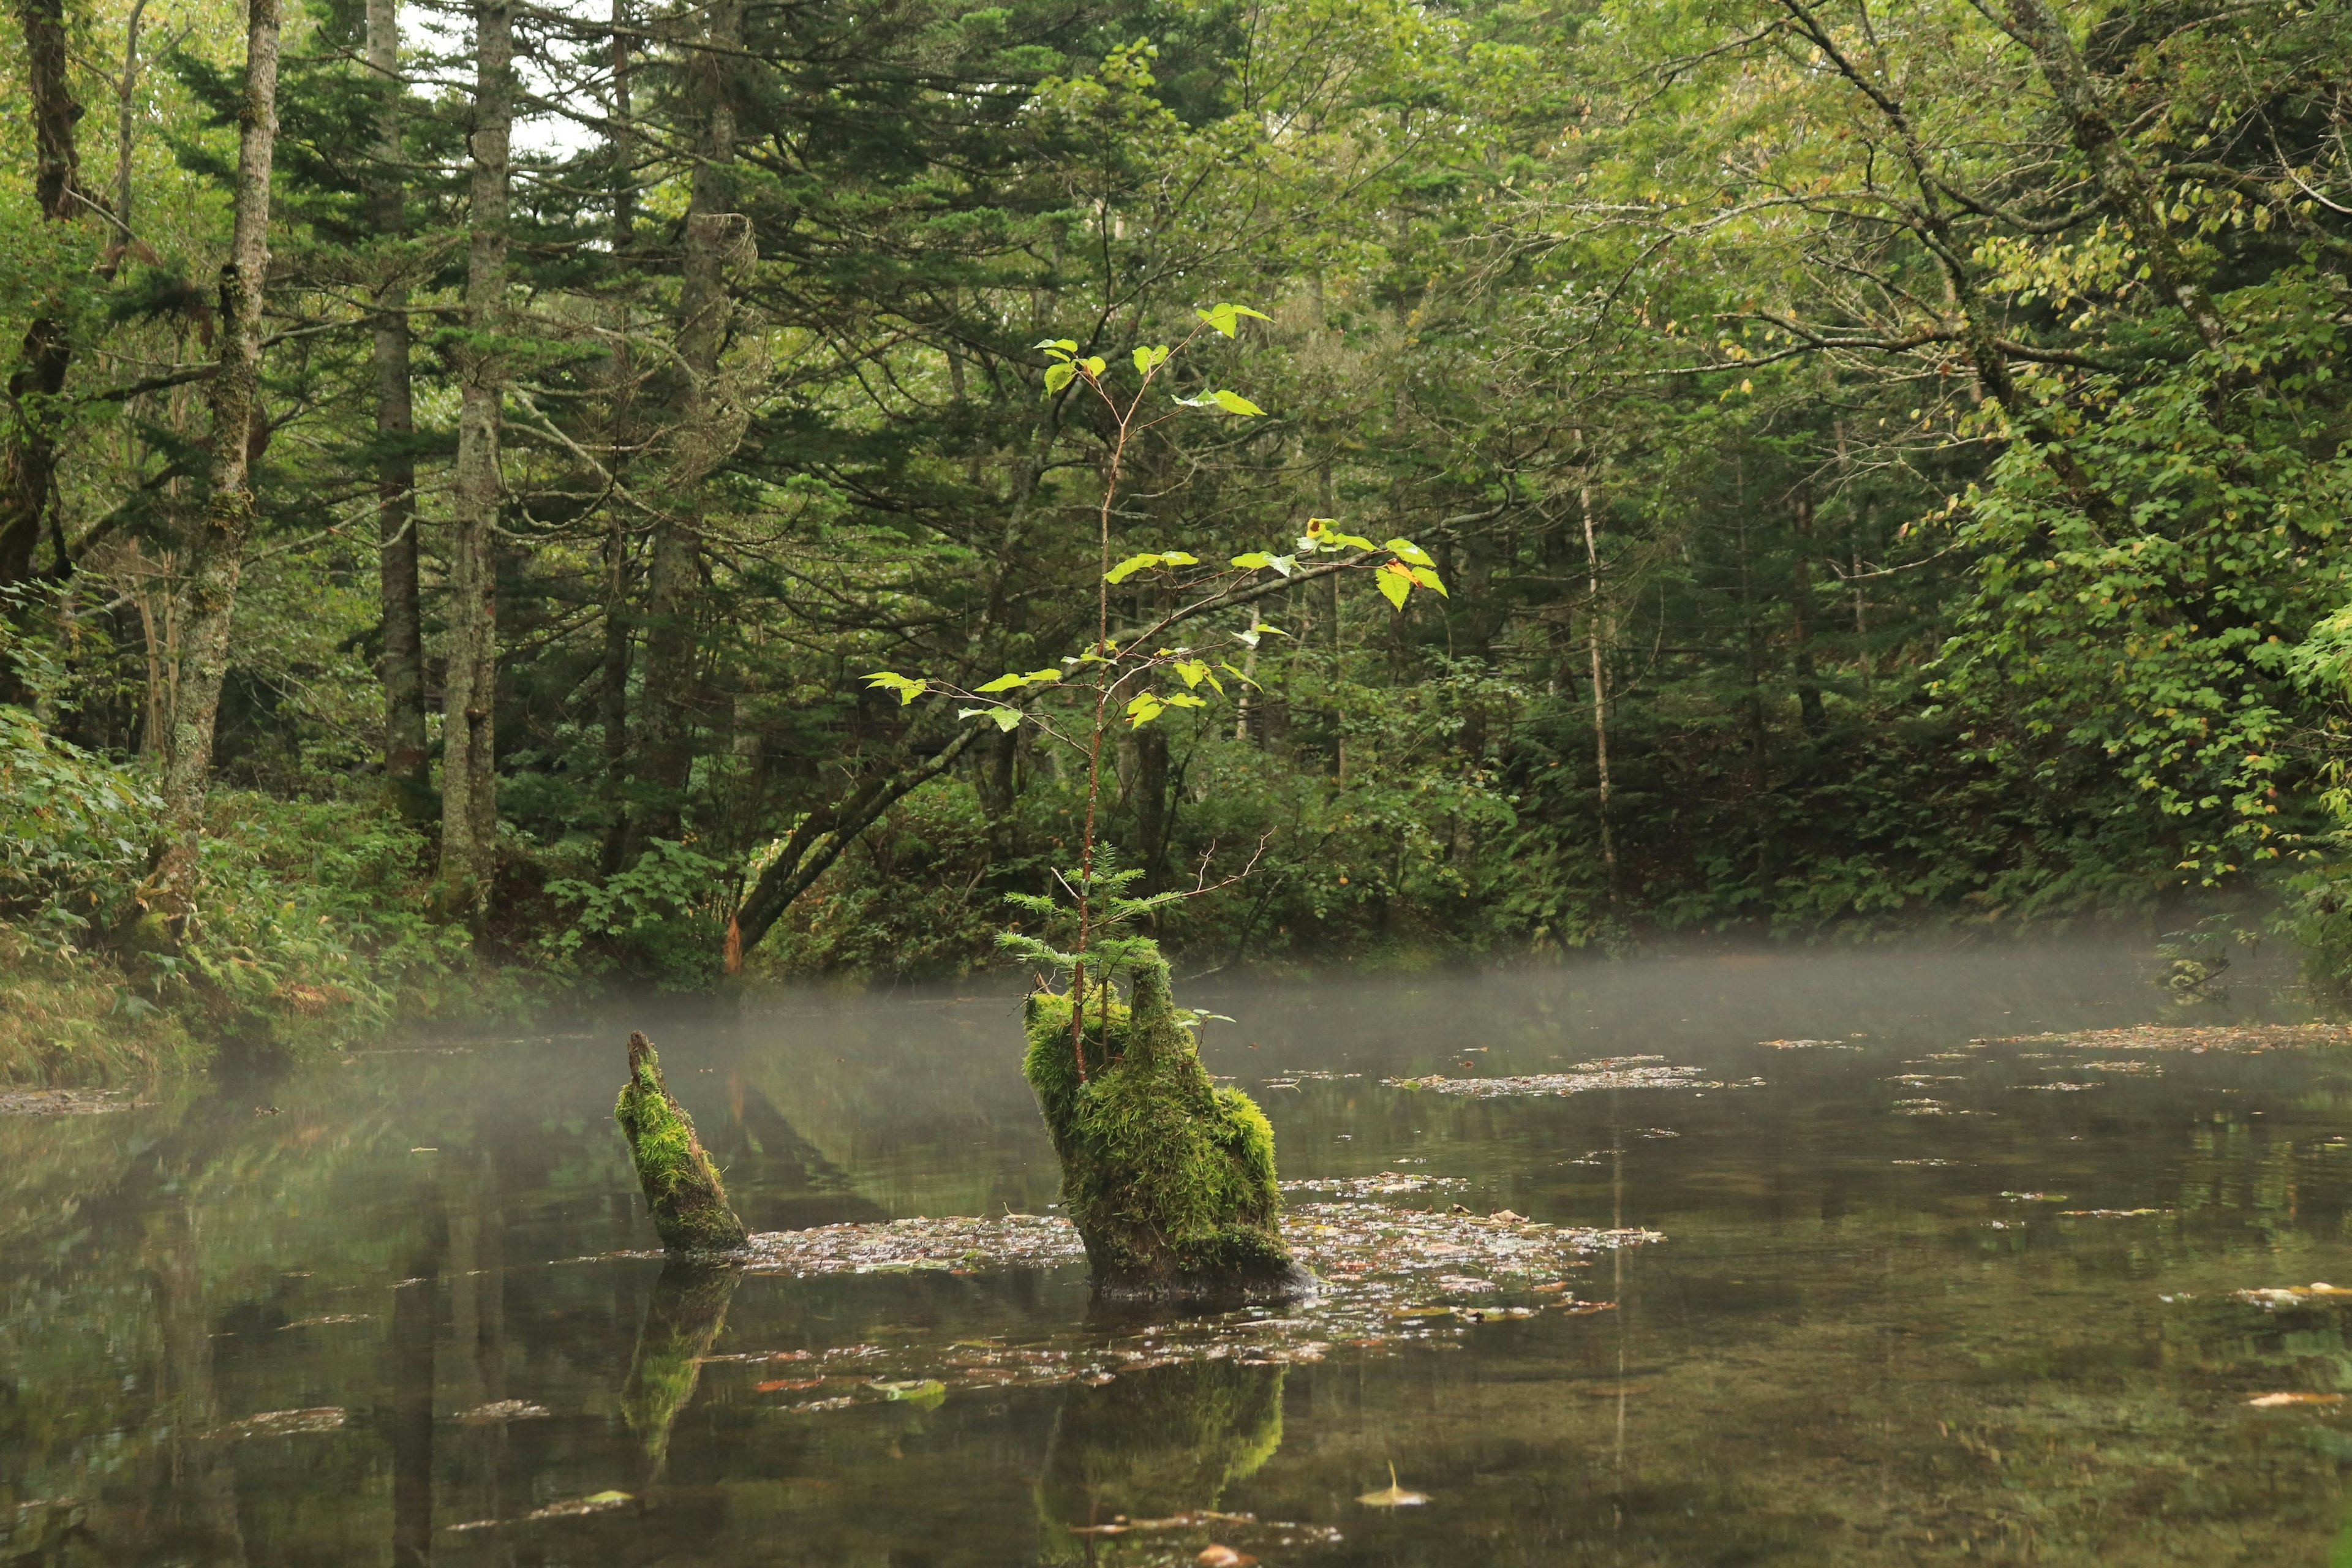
{"points": [[1006, 719], [1058, 376], [1095, 365], [1245, 678], [1406, 551], [1002, 683], [1144, 706], [1067, 345], [1429, 579], [907, 687], [1223, 318], [1179, 558], [1143, 361], [1394, 586], [1253, 559], [1255, 315], [1186, 699], [1132, 565], [1037, 677], [1234, 403], [1192, 670]]}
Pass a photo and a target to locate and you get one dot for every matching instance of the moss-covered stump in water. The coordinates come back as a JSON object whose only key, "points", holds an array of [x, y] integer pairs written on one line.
{"points": [[1169, 1179], [687, 1308], [681, 1184]]}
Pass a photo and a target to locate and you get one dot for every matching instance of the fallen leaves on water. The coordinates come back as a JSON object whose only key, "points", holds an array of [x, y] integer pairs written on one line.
{"points": [[1217, 1555], [62, 1101], [2059, 1087], [1809, 1045], [2293, 1295], [327, 1321], [1393, 1494], [920, 1391], [2035, 1197], [502, 1410], [2127, 1068], [1610, 1072], [2280, 1401], [905, 1246], [2245, 1037], [2110, 1214], [787, 1385], [574, 1508], [286, 1423], [1388, 1183]]}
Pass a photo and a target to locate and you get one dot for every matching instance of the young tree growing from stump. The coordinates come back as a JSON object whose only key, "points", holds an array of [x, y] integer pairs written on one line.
{"points": [[1169, 1179]]}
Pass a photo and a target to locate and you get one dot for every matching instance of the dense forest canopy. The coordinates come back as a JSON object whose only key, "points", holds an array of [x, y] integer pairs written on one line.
{"points": [[462, 463]]}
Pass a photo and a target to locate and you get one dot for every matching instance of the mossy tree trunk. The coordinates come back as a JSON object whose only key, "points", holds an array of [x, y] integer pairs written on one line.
{"points": [[682, 1187], [1169, 1178]]}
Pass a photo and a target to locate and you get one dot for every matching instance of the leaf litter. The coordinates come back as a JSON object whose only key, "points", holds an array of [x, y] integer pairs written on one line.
{"points": [[289, 1423], [1392, 1276], [2250, 1039], [1584, 1078]]}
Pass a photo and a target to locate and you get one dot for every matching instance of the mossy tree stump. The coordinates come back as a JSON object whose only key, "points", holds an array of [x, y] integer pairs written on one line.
{"points": [[681, 1185], [1169, 1178]]}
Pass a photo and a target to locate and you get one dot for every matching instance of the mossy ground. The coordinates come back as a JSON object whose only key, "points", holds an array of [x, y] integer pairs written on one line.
{"points": [[1167, 1176], [681, 1185]]}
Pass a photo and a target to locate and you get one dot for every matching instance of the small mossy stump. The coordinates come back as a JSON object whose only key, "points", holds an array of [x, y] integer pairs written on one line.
{"points": [[682, 1187], [1169, 1178]]}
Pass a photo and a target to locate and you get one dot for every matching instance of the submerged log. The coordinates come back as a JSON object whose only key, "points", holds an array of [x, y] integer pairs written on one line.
{"points": [[1169, 1179], [687, 1308], [682, 1187]]}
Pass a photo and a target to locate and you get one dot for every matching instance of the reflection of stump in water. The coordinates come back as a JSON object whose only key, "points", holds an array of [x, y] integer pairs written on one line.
{"points": [[681, 1185], [687, 1308], [1153, 1444]]}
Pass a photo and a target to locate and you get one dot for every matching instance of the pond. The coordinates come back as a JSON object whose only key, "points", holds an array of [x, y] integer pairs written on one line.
{"points": [[1850, 1271]]}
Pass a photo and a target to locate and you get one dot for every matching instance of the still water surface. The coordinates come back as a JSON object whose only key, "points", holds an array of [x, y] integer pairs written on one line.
{"points": [[1851, 1347]]}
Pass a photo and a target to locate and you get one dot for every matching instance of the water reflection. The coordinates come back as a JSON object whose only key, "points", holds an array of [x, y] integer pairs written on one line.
{"points": [[2004, 1332]]}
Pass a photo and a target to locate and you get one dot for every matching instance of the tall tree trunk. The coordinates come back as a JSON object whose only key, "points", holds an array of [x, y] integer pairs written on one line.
{"points": [[716, 239], [216, 544], [468, 734], [613, 678], [29, 464], [407, 771], [1592, 637], [1801, 612]]}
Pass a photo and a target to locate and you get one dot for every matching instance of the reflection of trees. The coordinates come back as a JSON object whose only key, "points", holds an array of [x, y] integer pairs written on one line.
{"points": [[198, 1522], [683, 1315], [1154, 1444]]}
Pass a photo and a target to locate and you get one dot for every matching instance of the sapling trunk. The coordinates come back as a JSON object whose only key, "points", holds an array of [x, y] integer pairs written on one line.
{"points": [[682, 1187]]}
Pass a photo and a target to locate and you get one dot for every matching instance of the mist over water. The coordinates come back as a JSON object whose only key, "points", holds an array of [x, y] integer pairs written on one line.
{"points": [[1913, 1302]]}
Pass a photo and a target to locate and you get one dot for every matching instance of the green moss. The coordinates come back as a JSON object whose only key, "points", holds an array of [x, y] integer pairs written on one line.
{"points": [[1167, 1178], [681, 1185]]}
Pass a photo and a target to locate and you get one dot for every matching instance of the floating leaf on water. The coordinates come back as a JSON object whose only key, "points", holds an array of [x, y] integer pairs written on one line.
{"points": [[2280, 1401], [1216, 1556], [921, 1391], [1805, 1045], [2110, 1214], [502, 1410], [1393, 1494], [1614, 1072], [2059, 1087], [575, 1508], [2250, 1039], [787, 1385]]}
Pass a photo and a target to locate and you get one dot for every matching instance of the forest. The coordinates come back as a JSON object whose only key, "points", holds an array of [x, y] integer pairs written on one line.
{"points": [[500, 500]]}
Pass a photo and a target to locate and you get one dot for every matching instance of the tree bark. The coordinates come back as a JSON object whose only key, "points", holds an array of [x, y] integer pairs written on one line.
{"points": [[407, 770], [216, 548], [613, 677], [1802, 613], [469, 685], [28, 466], [716, 239], [1592, 639], [683, 1192]]}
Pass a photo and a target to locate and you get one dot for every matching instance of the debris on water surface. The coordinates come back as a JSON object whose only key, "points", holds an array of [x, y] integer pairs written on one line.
{"points": [[499, 1410], [2035, 1197], [63, 1101], [2110, 1214], [902, 1245], [1809, 1045], [1584, 1078], [327, 1321], [1386, 1184], [568, 1508], [2293, 1295], [1317, 1077], [2059, 1087], [1393, 1494], [2281, 1401], [1921, 1079], [2149, 1067], [1925, 1162], [1930, 1108], [289, 1423], [2245, 1037]]}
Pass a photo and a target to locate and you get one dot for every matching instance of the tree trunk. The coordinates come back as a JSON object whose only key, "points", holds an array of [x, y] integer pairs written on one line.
{"points": [[613, 676], [717, 239], [407, 771], [470, 687], [1593, 620], [1800, 610], [216, 545], [28, 466]]}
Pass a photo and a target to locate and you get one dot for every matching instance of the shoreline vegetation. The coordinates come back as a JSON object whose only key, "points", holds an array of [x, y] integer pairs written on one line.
{"points": [[1821, 483]]}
